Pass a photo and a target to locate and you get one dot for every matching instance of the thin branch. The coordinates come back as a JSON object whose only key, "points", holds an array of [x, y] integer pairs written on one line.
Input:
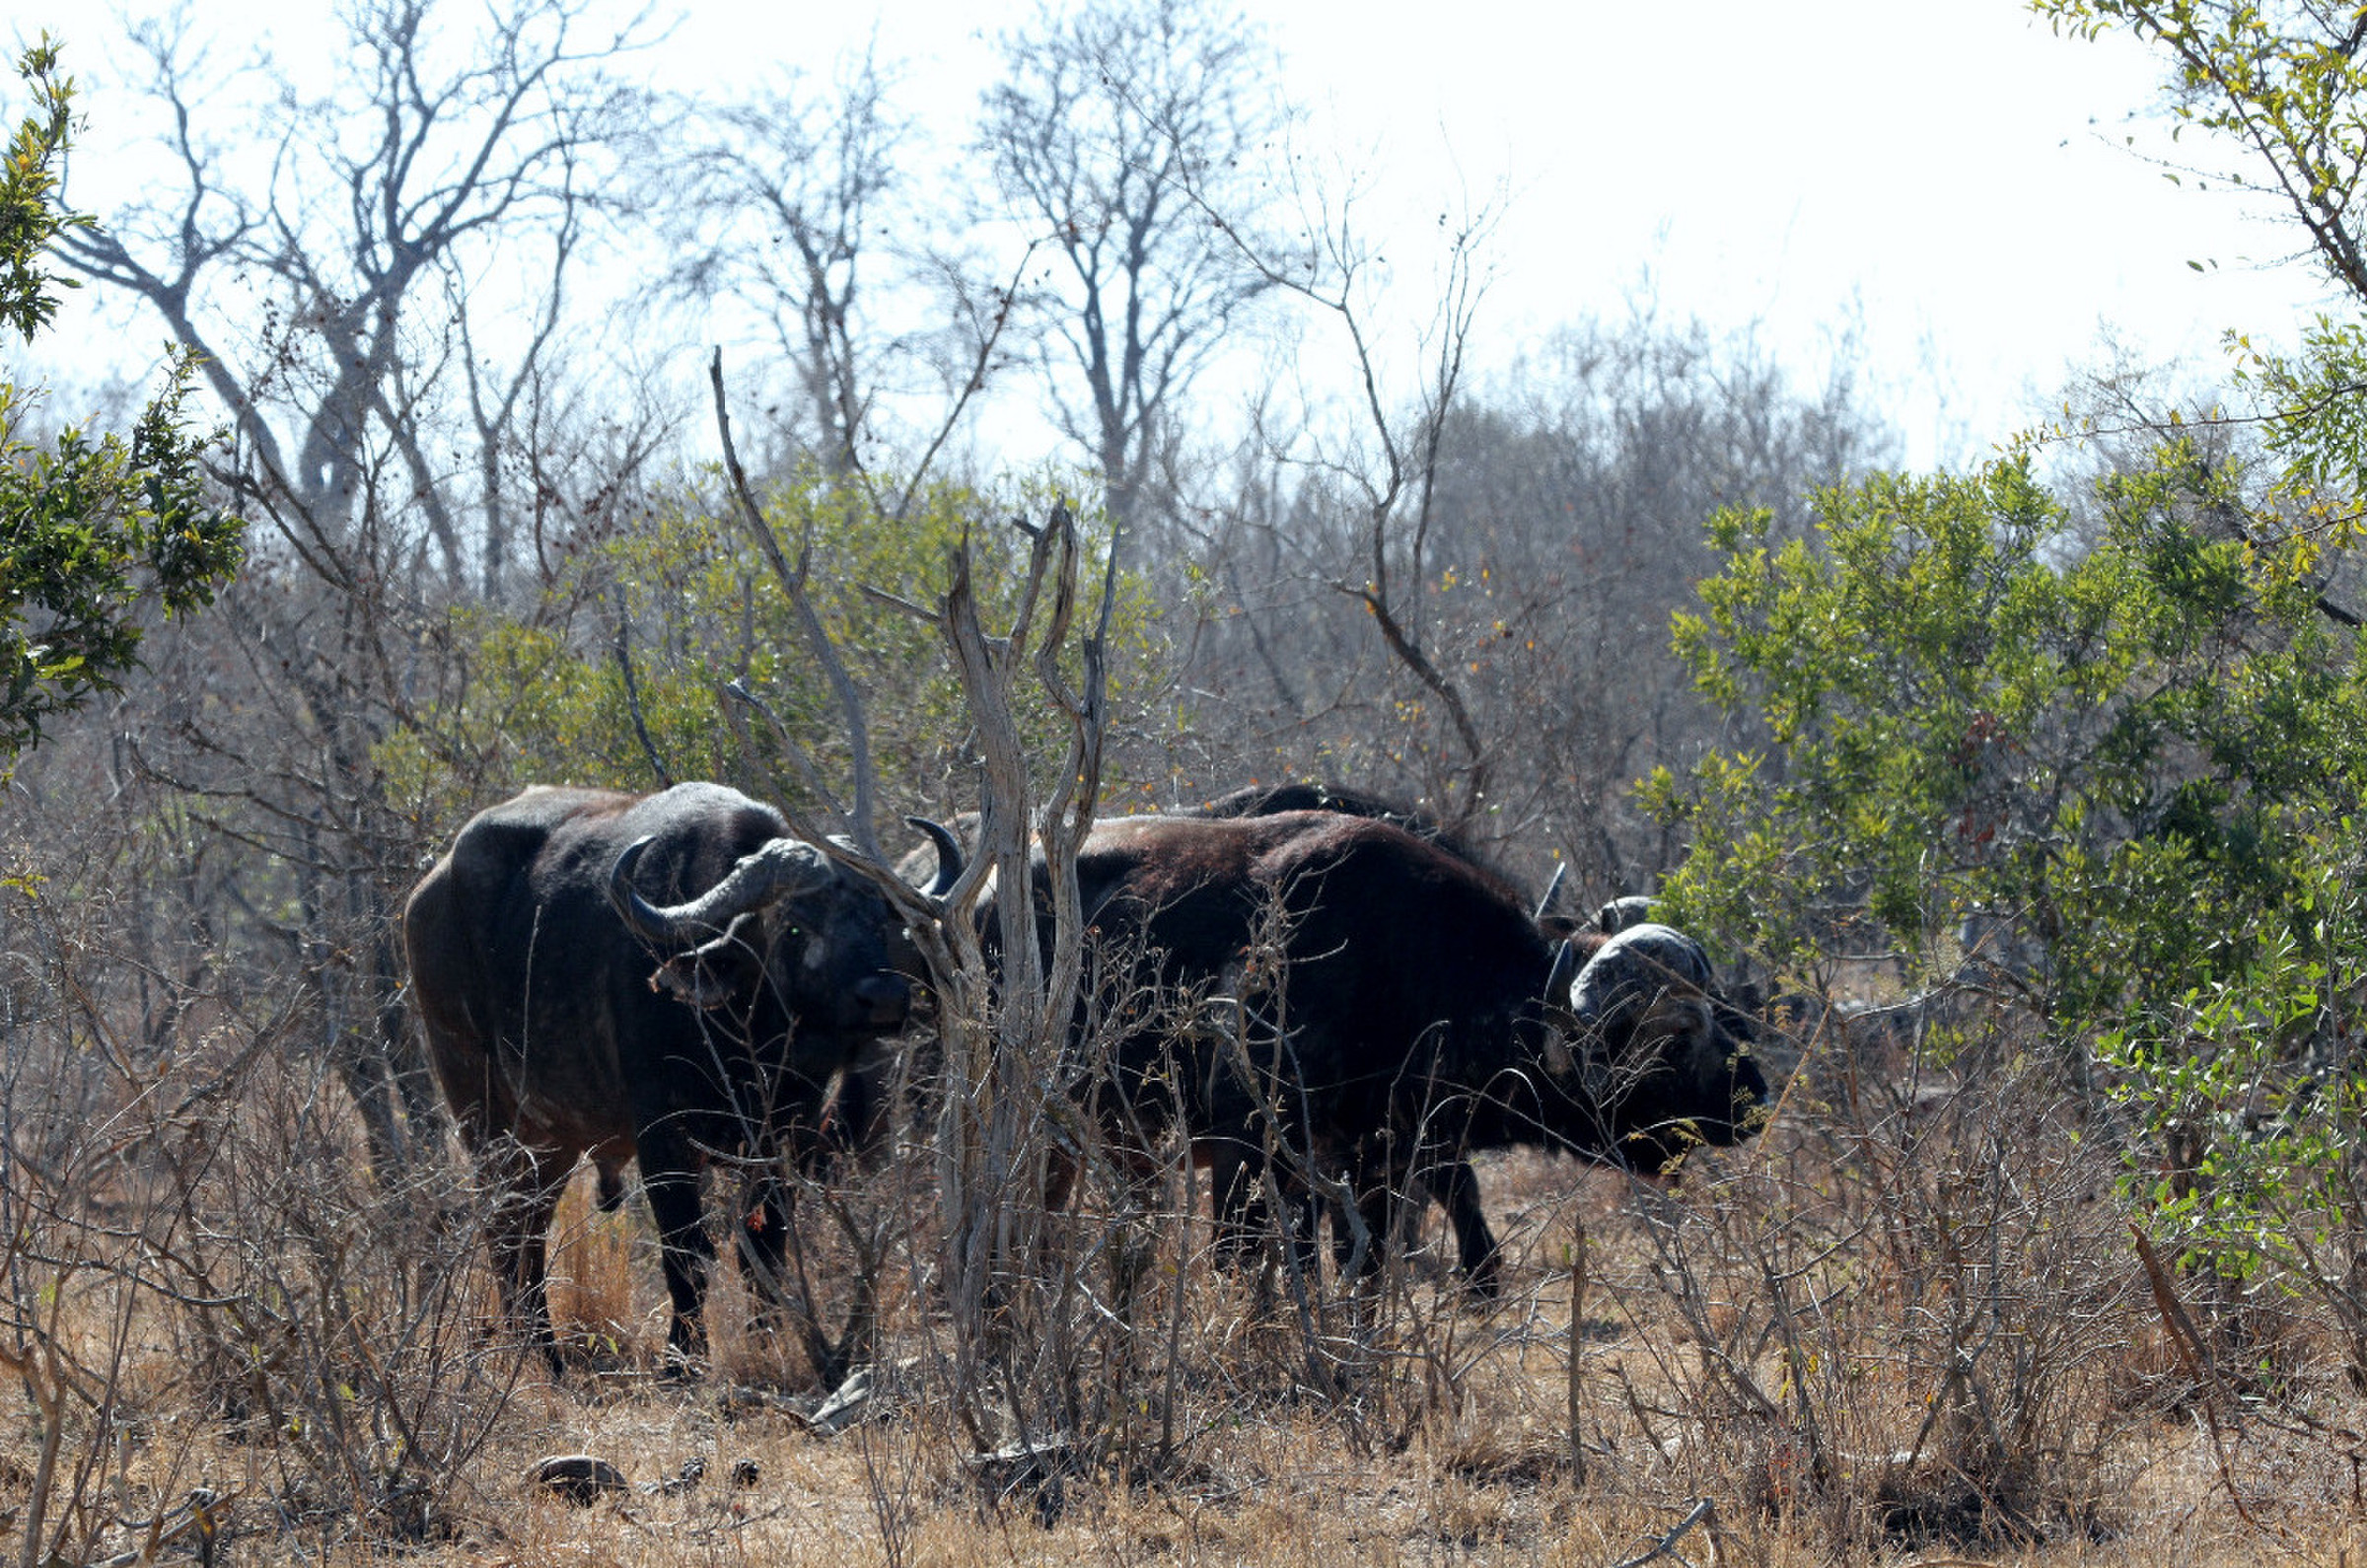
{"points": [[632, 694], [801, 760], [1703, 1511], [2197, 1354], [858, 824], [972, 385]]}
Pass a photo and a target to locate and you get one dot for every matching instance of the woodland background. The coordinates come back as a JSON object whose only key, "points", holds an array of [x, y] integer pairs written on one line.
{"points": [[2031, 784]]}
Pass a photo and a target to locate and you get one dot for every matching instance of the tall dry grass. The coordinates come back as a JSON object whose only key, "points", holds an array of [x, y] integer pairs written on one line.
{"points": [[1908, 1319]]}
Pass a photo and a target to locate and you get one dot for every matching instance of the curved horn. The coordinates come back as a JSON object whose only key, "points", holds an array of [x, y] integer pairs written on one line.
{"points": [[950, 858], [1635, 910], [1558, 1060], [780, 869], [1546, 904], [1565, 969]]}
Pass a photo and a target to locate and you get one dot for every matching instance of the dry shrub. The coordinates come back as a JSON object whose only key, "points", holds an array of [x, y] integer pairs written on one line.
{"points": [[1899, 1316], [337, 1316], [1908, 1326], [206, 1286]]}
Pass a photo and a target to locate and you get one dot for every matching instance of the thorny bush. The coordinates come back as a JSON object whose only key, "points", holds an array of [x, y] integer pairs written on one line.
{"points": [[1907, 1315], [202, 1274]]}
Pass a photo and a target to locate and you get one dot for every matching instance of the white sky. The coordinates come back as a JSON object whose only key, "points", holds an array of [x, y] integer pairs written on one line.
{"points": [[1946, 173]]}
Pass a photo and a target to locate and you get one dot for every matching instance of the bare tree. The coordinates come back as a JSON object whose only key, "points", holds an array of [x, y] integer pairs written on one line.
{"points": [[1383, 464], [1570, 498], [1464, 593], [1004, 1118], [787, 192], [1105, 121], [376, 302], [406, 198]]}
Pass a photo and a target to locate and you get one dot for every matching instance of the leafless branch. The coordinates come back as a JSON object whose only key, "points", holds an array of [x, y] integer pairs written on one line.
{"points": [[858, 823]]}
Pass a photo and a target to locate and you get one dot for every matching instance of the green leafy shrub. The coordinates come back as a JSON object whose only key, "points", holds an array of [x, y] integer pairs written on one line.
{"points": [[549, 696]]}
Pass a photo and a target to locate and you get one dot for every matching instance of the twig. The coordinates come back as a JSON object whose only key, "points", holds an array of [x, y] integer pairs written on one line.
{"points": [[200, 1515], [857, 820], [1703, 1512], [632, 694], [2197, 1358], [972, 385], [881, 595], [1577, 1341], [801, 761]]}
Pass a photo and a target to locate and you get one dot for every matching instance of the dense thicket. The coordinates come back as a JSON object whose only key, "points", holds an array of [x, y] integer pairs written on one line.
{"points": [[2056, 776]]}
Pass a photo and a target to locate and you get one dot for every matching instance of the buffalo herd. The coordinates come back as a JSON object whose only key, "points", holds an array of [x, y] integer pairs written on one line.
{"points": [[1325, 998]]}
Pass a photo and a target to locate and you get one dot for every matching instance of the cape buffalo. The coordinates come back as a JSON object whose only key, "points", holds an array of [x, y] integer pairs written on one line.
{"points": [[1411, 1010], [1271, 800], [670, 978], [1448, 1177]]}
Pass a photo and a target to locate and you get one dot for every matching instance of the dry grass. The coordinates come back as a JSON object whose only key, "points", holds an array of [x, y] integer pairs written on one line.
{"points": [[1861, 1339]]}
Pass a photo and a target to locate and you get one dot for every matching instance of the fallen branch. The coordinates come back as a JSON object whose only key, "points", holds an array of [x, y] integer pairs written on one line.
{"points": [[2197, 1358], [1704, 1511]]}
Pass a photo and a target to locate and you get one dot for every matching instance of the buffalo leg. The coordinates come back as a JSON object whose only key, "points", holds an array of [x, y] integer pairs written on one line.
{"points": [[611, 1195], [519, 1235], [1375, 1209], [1243, 1209], [1364, 1210], [670, 1174], [1391, 1200], [1237, 1201], [1455, 1185], [760, 1232]]}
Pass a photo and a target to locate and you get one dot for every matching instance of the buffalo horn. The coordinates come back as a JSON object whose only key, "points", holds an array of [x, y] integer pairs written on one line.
{"points": [[1557, 1008], [949, 855], [1546, 904], [1565, 969], [781, 869]]}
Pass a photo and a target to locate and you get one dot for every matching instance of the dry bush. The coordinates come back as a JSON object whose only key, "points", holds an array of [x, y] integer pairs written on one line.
{"points": [[1902, 1317], [206, 1286], [344, 1316], [1907, 1324]]}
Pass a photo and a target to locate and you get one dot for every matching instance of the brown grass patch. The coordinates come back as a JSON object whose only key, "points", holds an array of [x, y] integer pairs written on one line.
{"points": [[1862, 1341]]}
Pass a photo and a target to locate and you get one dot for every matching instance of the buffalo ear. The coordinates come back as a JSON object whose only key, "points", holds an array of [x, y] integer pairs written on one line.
{"points": [[1558, 1060], [711, 975]]}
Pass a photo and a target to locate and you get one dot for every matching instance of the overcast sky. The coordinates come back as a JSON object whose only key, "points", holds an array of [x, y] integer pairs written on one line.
{"points": [[1947, 177]]}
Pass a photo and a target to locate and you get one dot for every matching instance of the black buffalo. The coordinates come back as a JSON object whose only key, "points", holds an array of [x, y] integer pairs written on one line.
{"points": [[1272, 800], [1416, 1011], [672, 977], [1451, 1179]]}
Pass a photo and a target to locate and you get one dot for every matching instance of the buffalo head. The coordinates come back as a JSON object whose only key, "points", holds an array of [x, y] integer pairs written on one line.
{"points": [[787, 925], [1649, 1058]]}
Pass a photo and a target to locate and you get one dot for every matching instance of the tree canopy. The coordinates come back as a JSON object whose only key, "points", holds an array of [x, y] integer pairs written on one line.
{"points": [[94, 528]]}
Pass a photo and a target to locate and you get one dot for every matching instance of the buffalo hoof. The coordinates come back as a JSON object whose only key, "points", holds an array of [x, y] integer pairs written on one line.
{"points": [[683, 1364]]}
